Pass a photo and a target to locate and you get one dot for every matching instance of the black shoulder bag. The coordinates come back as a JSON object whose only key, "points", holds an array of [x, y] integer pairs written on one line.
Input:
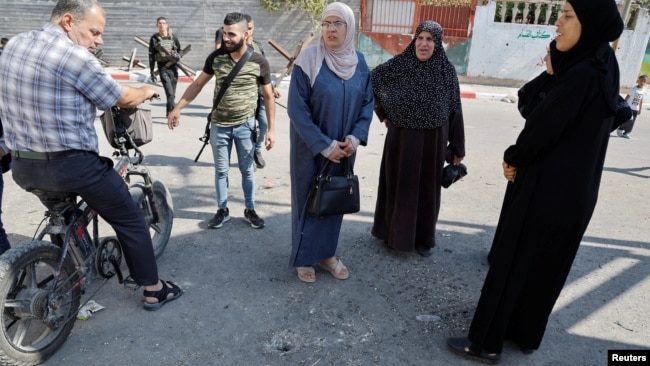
{"points": [[334, 194], [226, 83]]}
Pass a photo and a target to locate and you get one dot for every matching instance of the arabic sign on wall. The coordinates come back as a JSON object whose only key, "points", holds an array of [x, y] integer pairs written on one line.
{"points": [[513, 51], [540, 34]]}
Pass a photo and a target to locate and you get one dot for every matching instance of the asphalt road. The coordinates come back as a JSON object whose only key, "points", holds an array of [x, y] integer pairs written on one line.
{"points": [[244, 306]]}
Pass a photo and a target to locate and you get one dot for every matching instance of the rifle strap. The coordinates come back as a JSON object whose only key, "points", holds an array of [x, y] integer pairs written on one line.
{"points": [[226, 83]]}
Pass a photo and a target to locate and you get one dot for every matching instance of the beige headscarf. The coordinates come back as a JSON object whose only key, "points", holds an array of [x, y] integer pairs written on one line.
{"points": [[342, 61]]}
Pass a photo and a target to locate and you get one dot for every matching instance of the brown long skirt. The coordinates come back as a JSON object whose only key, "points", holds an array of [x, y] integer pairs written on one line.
{"points": [[408, 197]]}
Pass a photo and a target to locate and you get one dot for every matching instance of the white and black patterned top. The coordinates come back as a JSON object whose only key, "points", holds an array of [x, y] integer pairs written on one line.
{"points": [[417, 94]]}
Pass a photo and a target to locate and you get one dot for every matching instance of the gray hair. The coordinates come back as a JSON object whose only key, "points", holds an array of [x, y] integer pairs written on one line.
{"points": [[78, 8]]}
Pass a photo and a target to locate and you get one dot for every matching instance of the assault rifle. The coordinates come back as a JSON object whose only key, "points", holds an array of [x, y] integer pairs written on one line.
{"points": [[205, 139], [185, 68], [173, 58]]}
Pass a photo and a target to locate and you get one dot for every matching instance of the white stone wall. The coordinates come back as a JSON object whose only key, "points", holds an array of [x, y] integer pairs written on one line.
{"points": [[514, 50]]}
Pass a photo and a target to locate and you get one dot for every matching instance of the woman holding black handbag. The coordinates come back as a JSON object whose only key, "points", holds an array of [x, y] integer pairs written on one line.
{"points": [[330, 107]]}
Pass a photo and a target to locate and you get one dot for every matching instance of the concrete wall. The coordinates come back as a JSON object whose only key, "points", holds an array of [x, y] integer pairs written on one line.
{"points": [[513, 50], [497, 50], [193, 21]]}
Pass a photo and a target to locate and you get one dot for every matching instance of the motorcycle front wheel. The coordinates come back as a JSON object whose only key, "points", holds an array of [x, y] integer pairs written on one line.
{"points": [[158, 213]]}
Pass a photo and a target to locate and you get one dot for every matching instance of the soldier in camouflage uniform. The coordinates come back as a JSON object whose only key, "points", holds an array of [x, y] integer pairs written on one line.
{"points": [[163, 48]]}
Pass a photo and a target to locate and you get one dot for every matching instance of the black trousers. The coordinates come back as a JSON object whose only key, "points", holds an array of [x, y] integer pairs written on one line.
{"points": [[92, 177], [169, 79], [627, 126]]}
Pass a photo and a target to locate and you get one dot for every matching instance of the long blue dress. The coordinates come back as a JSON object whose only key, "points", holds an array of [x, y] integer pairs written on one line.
{"points": [[329, 110]]}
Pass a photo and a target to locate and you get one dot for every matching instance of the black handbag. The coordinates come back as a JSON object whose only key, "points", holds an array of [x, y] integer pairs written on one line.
{"points": [[334, 194], [452, 173]]}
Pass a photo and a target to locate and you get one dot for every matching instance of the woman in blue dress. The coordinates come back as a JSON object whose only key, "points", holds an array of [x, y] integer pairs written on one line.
{"points": [[330, 107]]}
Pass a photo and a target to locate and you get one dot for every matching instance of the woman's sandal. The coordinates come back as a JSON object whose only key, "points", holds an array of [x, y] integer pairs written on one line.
{"points": [[306, 274], [336, 270], [462, 347], [162, 295]]}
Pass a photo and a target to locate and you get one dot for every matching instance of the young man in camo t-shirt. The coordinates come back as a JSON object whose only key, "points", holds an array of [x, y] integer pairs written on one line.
{"points": [[233, 120]]}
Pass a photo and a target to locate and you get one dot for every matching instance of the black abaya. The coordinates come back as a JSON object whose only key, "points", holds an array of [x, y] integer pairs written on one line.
{"points": [[559, 157]]}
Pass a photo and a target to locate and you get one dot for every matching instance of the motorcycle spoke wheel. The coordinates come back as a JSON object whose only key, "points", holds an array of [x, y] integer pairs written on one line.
{"points": [[160, 225], [35, 322]]}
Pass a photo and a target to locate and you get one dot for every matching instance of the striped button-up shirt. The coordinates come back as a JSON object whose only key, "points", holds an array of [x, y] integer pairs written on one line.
{"points": [[50, 90]]}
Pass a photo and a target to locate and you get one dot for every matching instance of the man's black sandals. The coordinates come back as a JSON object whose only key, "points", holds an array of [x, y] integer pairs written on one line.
{"points": [[162, 295], [462, 347]]}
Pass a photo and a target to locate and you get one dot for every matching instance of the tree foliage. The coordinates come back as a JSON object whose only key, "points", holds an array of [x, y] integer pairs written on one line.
{"points": [[313, 8]]}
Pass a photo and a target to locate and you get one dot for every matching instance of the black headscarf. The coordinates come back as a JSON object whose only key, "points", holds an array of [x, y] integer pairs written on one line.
{"points": [[414, 93], [601, 23]]}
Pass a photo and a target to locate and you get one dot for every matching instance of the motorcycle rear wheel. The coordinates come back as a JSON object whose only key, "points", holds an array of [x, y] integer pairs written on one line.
{"points": [[35, 320]]}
